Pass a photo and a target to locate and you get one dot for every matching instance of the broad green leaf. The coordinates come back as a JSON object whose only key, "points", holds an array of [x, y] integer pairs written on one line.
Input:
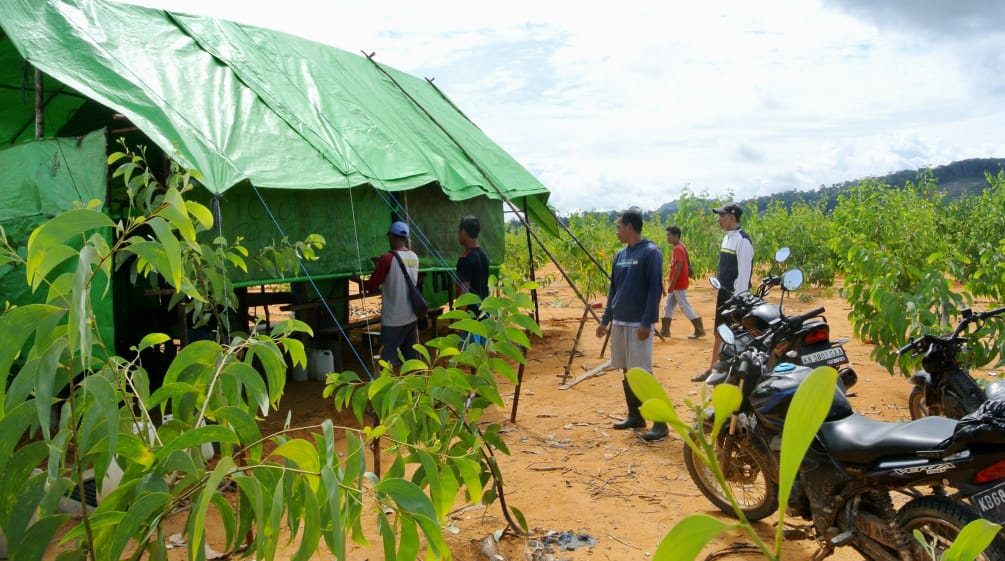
{"points": [[809, 408], [726, 399], [972, 540], [171, 248], [252, 381], [12, 426], [17, 325], [311, 535], [51, 234], [470, 472], [152, 253], [244, 425], [48, 260], [689, 536], [45, 380], [175, 212], [134, 525], [197, 520], [152, 339], [335, 536], [471, 326], [304, 455], [202, 214], [34, 543], [196, 437]]}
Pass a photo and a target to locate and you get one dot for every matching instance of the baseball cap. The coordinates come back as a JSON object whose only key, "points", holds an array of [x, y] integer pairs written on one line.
{"points": [[730, 208], [399, 229]]}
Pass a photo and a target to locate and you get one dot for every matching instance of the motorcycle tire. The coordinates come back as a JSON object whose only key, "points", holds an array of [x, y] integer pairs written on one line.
{"points": [[916, 403], [751, 474], [941, 519]]}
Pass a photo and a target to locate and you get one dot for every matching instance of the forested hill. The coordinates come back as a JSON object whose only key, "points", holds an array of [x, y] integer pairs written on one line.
{"points": [[958, 178]]}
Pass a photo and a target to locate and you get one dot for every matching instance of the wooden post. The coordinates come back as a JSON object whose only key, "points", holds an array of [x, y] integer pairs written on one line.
{"points": [[39, 104]]}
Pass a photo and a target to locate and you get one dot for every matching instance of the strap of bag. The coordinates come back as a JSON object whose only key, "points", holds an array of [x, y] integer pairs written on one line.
{"points": [[401, 265]]}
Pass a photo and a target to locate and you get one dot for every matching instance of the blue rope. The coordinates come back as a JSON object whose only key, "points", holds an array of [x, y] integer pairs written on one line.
{"points": [[314, 285]]}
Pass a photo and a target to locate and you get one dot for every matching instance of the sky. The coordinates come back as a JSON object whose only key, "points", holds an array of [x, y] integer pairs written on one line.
{"points": [[619, 104]]}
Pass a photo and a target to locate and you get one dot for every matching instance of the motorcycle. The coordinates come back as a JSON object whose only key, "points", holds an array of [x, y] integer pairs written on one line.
{"points": [[750, 315], [846, 482], [944, 386]]}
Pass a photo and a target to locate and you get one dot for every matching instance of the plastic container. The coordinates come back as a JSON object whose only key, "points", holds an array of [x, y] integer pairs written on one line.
{"points": [[320, 363], [298, 372]]}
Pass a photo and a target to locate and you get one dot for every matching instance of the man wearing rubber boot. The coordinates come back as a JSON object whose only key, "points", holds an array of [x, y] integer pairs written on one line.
{"points": [[678, 282], [633, 302]]}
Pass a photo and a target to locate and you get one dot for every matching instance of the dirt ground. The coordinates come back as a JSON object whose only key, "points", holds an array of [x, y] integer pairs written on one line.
{"points": [[570, 472]]}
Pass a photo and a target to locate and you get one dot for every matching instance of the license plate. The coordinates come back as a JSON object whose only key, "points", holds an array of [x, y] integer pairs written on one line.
{"points": [[833, 355], [991, 503]]}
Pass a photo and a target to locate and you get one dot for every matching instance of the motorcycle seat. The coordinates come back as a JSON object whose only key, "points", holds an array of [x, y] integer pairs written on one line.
{"points": [[860, 440]]}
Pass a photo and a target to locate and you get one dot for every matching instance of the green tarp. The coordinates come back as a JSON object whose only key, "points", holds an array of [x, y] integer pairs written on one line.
{"points": [[242, 103], [40, 180]]}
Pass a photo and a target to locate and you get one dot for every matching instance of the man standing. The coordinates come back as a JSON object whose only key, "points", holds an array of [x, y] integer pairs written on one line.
{"points": [[677, 285], [398, 322], [736, 263], [633, 305], [472, 267]]}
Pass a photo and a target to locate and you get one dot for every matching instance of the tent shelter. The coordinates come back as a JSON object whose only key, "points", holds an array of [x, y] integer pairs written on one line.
{"points": [[291, 136]]}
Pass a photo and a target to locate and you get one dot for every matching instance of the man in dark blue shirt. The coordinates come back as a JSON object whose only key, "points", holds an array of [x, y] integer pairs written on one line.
{"points": [[633, 306]]}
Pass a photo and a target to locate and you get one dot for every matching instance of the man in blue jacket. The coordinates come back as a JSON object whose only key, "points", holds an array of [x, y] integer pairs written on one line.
{"points": [[633, 306]]}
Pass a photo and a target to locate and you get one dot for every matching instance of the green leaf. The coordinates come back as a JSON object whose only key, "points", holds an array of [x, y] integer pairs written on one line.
{"points": [[142, 511], [726, 399], [152, 339], [252, 381], [196, 437], [972, 540], [17, 325], [809, 408], [53, 233], [303, 454], [197, 521], [689, 536], [171, 251]]}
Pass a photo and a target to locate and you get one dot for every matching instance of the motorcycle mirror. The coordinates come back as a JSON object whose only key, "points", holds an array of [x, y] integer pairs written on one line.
{"points": [[726, 334], [792, 279], [782, 254], [715, 283]]}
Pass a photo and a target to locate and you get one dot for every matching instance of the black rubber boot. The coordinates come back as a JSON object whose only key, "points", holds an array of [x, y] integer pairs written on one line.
{"points": [[665, 328], [634, 419], [658, 432], [699, 329]]}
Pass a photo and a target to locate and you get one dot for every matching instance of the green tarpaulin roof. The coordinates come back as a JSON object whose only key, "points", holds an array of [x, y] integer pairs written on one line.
{"points": [[239, 102]]}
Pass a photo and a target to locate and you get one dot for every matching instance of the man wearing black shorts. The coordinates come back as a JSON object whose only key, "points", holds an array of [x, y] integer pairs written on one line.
{"points": [[736, 263]]}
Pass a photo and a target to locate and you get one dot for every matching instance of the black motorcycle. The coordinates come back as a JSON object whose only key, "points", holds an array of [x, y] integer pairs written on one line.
{"points": [[944, 387], [750, 314], [847, 481]]}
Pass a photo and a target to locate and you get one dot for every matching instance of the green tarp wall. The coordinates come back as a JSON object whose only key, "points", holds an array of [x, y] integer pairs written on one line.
{"points": [[38, 181]]}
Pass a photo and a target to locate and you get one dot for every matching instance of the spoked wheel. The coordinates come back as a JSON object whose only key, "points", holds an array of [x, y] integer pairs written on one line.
{"points": [[940, 520], [916, 403], [750, 472]]}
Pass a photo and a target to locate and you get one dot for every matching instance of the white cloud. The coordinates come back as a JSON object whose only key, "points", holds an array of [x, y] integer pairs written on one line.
{"points": [[619, 107]]}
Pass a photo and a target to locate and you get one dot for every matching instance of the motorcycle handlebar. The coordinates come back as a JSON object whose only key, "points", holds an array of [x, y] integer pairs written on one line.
{"points": [[926, 338]]}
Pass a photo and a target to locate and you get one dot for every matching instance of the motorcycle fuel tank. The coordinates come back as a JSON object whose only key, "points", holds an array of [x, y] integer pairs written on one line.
{"points": [[773, 394]]}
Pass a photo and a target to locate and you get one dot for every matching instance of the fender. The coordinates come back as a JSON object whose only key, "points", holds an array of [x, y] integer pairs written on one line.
{"points": [[921, 378], [995, 390]]}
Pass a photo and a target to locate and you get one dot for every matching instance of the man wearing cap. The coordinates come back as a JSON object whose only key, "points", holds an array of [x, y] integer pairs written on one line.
{"points": [[677, 285], [398, 323], [736, 263], [472, 268]]}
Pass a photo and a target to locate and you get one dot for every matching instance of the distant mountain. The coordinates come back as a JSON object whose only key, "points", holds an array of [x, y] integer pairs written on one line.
{"points": [[965, 177]]}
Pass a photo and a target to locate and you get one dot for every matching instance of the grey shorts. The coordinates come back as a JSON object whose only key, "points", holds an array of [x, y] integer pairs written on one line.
{"points": [[628, 352], [397, 337]]}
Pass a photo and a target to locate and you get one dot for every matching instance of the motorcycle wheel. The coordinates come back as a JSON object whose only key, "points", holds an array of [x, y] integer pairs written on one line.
{"points": [[940, 519], [750, 471], [916, 403]]}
